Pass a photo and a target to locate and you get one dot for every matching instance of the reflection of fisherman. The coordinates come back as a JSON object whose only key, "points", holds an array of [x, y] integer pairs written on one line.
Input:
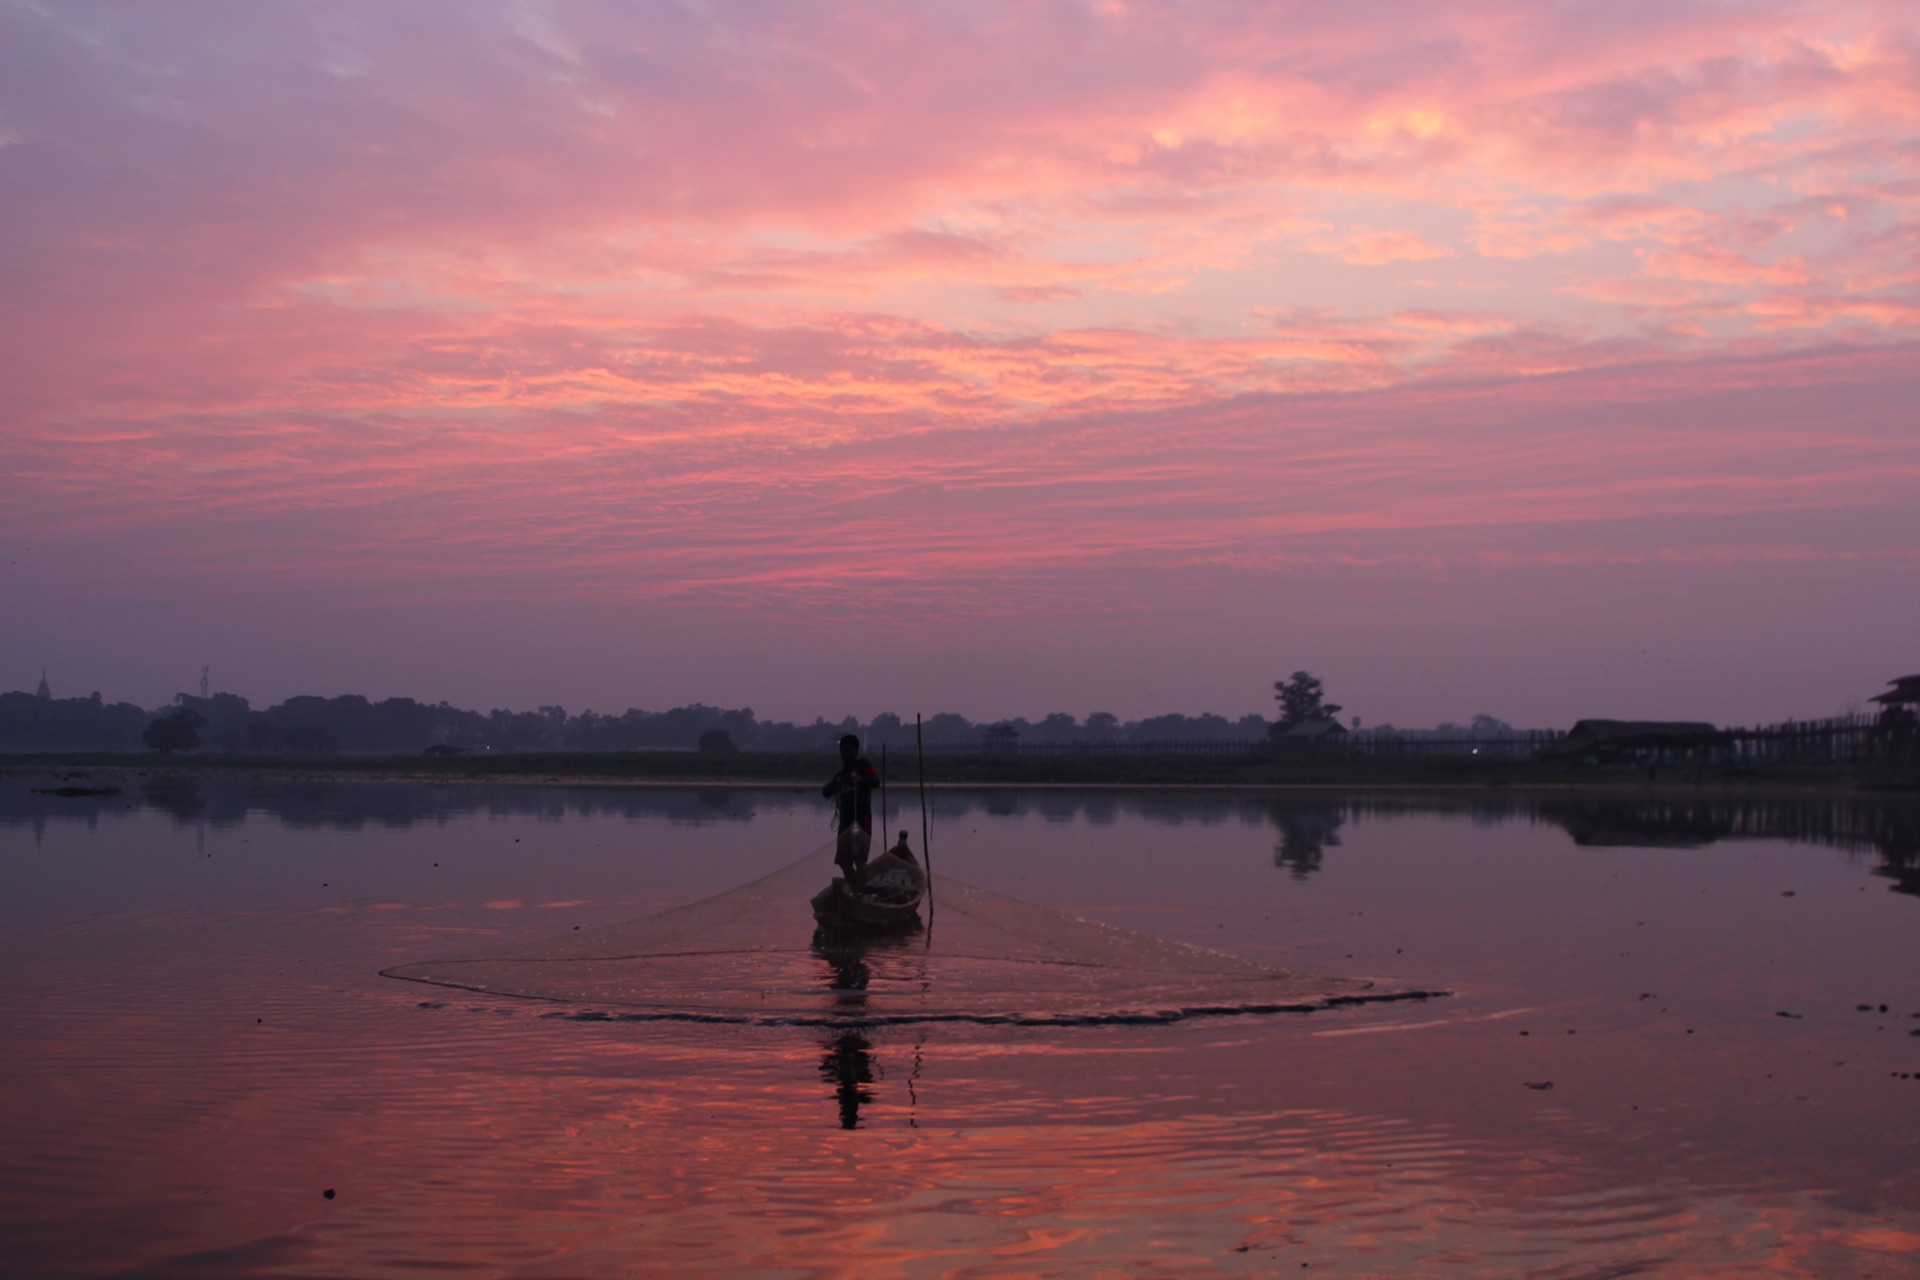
{"points": [[851, 790], [847, 1065]]}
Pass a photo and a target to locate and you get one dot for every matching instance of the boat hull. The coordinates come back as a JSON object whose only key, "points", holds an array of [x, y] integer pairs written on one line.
{"points": [[892, 904]]}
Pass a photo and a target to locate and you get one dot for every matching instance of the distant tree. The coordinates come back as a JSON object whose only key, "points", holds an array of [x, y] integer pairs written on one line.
{"points": [[1057, 727], [1176, 727], [225, 715], [885, 729], [718, 742], [1103, 726], [949, 726], [178, 730], [1484, 723], [1301, 698], [312, 740], [32, 723]]}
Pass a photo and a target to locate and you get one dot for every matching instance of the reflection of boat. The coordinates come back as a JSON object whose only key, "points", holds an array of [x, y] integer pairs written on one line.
{"points": [[891, 903]]}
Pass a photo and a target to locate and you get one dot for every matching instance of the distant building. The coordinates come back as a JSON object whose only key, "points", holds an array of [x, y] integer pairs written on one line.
{"points": [[1905, 693], [43, 693], [1615, 739], [1898, 725], [1002, 738]]}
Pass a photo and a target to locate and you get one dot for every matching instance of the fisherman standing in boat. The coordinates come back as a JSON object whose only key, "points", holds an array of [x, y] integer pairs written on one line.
{"points": [[851, 790]]}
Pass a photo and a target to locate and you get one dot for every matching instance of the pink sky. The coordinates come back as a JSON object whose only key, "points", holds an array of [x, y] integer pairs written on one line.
{"points": [[1542, 360]]}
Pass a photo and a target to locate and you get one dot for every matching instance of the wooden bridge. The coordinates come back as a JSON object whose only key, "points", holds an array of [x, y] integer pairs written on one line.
{"points": [[1849, 739]]}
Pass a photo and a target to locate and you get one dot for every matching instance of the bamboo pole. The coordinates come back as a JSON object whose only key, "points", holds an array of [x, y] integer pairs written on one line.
{"points": [[926, 842]]}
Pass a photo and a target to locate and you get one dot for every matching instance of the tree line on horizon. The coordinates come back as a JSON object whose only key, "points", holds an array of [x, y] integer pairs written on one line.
{"points": [[311, 725]]}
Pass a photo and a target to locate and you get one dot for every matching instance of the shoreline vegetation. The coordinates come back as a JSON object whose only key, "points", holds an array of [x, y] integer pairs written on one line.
{"points": [[1318, 771], [1305, 746]]}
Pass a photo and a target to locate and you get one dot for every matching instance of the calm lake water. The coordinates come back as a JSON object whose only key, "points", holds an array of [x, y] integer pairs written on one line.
{"points": [[1683, 1039]]}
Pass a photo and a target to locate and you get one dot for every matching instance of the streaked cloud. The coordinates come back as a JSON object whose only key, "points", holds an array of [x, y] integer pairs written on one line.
{"points": [[621, 298]]}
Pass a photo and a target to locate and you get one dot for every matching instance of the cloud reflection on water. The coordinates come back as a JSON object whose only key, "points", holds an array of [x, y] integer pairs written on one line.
{"points": [[197, 1073]]}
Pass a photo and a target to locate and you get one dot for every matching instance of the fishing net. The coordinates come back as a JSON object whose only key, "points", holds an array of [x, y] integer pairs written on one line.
{"points": [[753, 954]]}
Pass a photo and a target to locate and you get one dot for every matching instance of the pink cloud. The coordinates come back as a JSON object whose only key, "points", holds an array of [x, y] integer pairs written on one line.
{"points": [[1373, 248], [654, 302]]}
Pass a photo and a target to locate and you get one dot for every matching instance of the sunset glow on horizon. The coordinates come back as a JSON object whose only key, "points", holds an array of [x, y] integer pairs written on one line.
{"points": [[1536, 359]]}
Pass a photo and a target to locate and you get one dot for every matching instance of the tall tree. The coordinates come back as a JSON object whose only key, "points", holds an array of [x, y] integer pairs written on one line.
{"points": [[1302, 698]]}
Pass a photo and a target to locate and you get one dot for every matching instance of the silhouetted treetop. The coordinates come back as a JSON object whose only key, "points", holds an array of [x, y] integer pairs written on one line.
{"points": [[1301, 699]]}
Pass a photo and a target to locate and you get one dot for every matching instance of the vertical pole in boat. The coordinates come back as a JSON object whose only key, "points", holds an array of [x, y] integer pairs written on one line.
{"points": [[883, 795], [926, 845]]}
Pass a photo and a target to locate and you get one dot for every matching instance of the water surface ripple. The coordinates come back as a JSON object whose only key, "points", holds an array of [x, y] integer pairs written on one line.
{"points": [[1665, 1054]]}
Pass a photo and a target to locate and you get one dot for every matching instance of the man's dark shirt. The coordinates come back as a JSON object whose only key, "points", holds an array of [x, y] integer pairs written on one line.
{"points": [[852, 789]]}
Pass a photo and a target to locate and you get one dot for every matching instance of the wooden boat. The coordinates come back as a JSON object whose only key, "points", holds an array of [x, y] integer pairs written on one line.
{"points": [[891, 903]]}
